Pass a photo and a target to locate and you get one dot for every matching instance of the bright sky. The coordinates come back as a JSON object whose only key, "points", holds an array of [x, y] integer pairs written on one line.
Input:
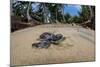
{"points": [[71, 9]]}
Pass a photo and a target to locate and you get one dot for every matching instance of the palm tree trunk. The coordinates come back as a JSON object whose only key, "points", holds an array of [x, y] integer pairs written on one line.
{"points": [[44, 13], [92, 17], [28, 15], [63, 13], [91, 12], [56, 16]]}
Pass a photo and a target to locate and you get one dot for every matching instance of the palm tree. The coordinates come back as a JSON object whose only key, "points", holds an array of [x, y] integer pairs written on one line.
{"points": [[28, 15], [22, 9], [92, 16], [45, 13], [87, 16], [43, 8], [67, 17], [84, 14], [63, 13]]}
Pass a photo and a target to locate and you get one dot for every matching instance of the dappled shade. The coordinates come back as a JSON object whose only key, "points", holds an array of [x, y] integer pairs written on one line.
{"points": [[32, 14]]}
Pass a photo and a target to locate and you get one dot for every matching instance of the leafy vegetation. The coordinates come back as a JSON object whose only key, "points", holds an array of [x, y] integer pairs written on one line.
{"points": [[53, 13]]}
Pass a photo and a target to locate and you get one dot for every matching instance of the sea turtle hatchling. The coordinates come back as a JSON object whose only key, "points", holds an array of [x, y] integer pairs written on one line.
{"points": [[47, 38]]}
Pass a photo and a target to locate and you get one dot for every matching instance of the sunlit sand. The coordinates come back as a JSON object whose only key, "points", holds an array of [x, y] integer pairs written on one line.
{"points": [[78, 46]]}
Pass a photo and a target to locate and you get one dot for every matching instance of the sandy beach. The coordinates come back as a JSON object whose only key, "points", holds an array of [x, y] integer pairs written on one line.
{"points": [[78, 46]]}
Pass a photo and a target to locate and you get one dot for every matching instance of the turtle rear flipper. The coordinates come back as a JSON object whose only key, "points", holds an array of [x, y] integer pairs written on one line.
{"points": [[58, 41], [35, 44]]}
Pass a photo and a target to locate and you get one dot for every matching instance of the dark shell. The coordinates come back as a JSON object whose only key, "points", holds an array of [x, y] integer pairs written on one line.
{"points": [[47, 36], [46, 39]]}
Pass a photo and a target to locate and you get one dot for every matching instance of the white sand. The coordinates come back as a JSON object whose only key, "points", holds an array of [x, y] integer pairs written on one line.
{"points": [[78, 46]]}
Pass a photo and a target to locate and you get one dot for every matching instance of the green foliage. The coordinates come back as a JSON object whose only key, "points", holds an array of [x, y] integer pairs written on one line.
{"points": [[68, 18], [77, 19], [19, 9], [50, 12], [84, 14]]}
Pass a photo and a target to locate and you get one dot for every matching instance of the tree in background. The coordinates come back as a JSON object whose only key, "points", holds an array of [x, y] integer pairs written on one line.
{"points": [[68, 18], [53, 13], [57, 12], [84, 14], [28, 13], [87, 16], [22, 10], [53, 8], [92, 16], [62, 6]]}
